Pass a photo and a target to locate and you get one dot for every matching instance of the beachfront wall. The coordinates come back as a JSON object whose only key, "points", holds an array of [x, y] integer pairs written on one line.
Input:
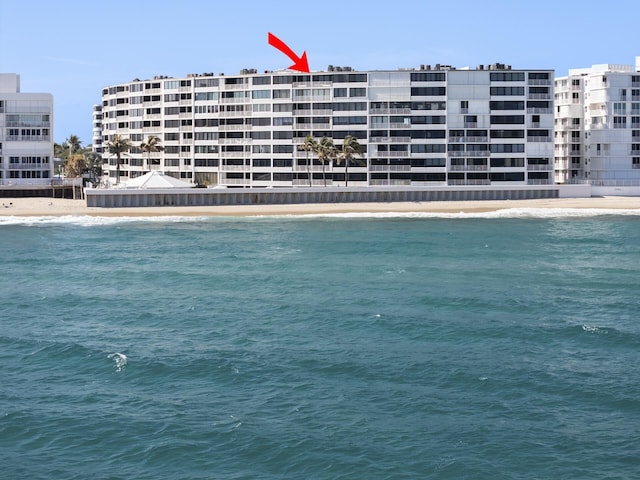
{"points": [[111, 198]]}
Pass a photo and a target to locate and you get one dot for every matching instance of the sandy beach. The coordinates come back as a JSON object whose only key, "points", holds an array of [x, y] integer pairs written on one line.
{"points": [[41, 206]]}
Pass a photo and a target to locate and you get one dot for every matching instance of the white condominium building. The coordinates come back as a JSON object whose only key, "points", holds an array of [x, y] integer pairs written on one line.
{"points": [[435, 125], [597, 125], [26, 134]]}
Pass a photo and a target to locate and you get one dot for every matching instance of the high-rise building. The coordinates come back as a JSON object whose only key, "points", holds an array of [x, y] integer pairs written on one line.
{"points": [[597, 125], [435, 125], [26, 134]]}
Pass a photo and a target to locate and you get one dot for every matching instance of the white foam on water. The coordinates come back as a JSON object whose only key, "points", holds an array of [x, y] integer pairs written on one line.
{"points": [[504, 213], [119, 360], [92, 221]]}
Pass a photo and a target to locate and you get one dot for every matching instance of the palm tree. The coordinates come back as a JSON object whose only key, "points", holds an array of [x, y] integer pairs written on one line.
{"points": [[326, 151], [94, 165], [151, 145], [350, 148], [310, 145], [117, 146], [73, 144]]}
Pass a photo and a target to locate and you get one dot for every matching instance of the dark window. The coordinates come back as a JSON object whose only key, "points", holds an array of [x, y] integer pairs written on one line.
{"points": [[428, 77], [428, 91]]}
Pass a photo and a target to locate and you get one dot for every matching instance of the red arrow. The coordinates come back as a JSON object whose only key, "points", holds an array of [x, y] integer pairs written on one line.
{"points": [[299, 63]]}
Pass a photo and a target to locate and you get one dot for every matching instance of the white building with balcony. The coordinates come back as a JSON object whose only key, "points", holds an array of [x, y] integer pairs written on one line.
{"points": [[430, 126], [597, 127], [26, 134]]}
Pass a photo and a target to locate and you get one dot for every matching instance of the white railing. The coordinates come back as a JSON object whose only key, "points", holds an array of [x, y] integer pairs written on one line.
{"points": [[390, 139], [390, 168], [539, 81], [389, 111]]}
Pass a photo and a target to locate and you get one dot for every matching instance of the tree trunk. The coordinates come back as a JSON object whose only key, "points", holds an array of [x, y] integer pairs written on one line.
{"points": [[346, 172]]}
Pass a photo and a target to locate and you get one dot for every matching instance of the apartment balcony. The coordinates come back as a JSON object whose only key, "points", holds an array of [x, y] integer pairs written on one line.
{"points": [[235, 86], [29, 124], [233, 141], [539, 139], [472, 153], [309, 113], [311, 98], [539, 96], [472, 139], [390, 168], [539, 110], [28, 166], [231, 128], [570, 127], [28, 138], [390, 140], [233, 181], [539, 81], [234, 114], [469, 168], [539, 181], [392, 154], [314, 182], [311, 84], [234, 168], [310, 168], [389, 111], [470, 124], [540, 168], [234, 100], [469, 182]]}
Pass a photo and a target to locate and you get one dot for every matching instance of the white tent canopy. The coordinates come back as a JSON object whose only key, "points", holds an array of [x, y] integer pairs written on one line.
{"points": [[157, 179]]}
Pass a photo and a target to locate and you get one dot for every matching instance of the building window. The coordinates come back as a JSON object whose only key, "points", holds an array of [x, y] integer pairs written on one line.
{"points": [[619, 122], [619, 108], [507, 76]]}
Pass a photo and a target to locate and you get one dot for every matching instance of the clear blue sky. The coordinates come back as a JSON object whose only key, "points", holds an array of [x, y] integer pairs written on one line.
{"points": [[73, 49]]}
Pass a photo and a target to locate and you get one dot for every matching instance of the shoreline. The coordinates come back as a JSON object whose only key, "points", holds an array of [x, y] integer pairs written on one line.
{"points": [[56, 207]]}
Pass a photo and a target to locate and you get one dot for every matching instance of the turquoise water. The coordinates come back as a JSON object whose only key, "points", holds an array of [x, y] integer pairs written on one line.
{"points": [[451, 347]]}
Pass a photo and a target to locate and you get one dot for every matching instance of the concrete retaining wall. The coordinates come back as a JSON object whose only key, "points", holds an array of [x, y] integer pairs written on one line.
{"points": [[115, 198]]}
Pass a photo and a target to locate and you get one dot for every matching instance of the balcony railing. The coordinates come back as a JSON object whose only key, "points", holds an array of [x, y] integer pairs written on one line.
{"points": [[28, 166], [390, 139], [390, 168], [28, 138], [389, 111], [469, 182], [539, 81]]}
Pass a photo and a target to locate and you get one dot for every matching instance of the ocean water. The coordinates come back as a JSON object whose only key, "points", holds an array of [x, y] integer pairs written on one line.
{"points": [[466, 346]]}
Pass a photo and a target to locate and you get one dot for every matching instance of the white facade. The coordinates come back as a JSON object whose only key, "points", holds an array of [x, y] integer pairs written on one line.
{"points": [[598, 126], [432, 126], [26, 134]]}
